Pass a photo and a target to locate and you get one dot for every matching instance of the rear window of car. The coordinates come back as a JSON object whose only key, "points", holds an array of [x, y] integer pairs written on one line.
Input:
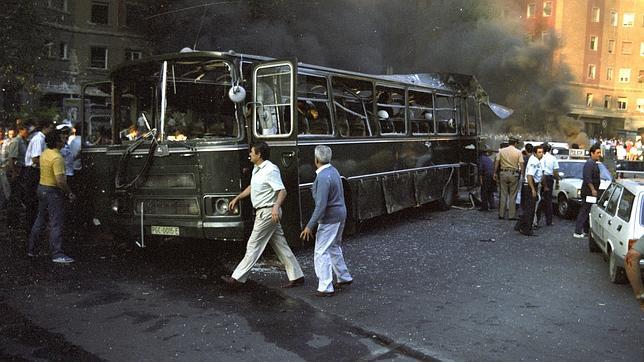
{"points": [[626, 206]]}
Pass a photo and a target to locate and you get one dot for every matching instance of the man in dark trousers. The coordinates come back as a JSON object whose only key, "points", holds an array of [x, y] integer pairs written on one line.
{"points": [[486, 177], [530, 189], [589, 188]]}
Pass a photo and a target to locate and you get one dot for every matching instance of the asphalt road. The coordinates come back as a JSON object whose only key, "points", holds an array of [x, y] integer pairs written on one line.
{"points": [[455, 285]]}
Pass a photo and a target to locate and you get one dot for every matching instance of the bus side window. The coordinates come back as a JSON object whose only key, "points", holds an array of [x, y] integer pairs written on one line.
{"points": [[391, 114], [353, 103], [421, 113], [446, 115], [313, 113]]}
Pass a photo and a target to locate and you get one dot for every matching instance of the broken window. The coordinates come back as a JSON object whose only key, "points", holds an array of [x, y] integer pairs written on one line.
{"points": [[353, 102], [446, 121], [313, 112], [391, 110], [421, 112]]}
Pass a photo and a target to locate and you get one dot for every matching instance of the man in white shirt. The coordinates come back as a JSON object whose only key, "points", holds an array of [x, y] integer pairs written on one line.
{"points": [[550, 168], [533, 175], [31, 176], [267, 194]]}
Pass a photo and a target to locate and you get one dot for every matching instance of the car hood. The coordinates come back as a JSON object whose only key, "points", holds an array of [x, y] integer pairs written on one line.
{"points": [[576, 183]]}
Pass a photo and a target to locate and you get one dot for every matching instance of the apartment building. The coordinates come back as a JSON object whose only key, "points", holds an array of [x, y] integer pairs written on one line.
{"points": [[603, 46], [84, 39]]}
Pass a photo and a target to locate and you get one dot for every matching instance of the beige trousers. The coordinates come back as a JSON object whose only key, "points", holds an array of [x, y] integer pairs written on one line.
{"points": [[266, 231], [509, 186]]}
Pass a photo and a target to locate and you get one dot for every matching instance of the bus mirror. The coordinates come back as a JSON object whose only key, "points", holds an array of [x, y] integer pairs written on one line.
{"points": [[383, 115], [237, 94]]}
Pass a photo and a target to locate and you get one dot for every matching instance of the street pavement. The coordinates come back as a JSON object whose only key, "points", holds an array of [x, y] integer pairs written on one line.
{"points": [[429, 285]]}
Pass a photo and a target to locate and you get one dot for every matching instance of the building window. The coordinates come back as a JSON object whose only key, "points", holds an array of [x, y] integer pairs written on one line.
{"points": [[613, 18], [642, 49], [57, 4], [544, 36], [607, 100], [629, 19], [624, 75], [100, 12], [591, 71], [589, 99], [532, 9], [593, 43], [595, 15], [627, 47], [98, 57], [133, 15], [547, 8], [611, 46], [640, 77], [609, 73], [622, 103], [132, 54], [49, 49], [640, 105], [64, 51]]}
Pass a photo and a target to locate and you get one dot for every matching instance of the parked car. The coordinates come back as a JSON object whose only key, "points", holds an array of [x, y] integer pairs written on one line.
{"points": [[567, 193], [616, 223]]}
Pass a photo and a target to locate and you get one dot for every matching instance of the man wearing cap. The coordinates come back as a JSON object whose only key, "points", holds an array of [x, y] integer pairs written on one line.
{"points": [[267, 193], [508, 166]]}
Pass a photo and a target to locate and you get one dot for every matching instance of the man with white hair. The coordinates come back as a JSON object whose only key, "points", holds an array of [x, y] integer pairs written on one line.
{"points": [[329, 217]]}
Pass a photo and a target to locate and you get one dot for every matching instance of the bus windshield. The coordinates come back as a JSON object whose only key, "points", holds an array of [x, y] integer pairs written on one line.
{"points": [[197, 104]]}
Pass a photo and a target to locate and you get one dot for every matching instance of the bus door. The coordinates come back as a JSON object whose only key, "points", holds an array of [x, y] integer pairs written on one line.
{"points": [[273, 122], [94, 127]]}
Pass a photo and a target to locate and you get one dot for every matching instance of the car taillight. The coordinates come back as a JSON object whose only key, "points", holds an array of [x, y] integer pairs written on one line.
{"points": [[631, 242]]}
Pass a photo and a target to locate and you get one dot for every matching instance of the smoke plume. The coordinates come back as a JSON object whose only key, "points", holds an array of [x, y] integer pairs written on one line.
{"points": [[482, 38]]}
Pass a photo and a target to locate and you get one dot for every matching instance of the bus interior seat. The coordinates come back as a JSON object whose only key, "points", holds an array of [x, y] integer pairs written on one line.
{"points": [[319, 126], [357, 127], [342, 126]]}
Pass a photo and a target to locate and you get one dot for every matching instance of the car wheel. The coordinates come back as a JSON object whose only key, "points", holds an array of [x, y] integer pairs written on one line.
{"points": [[592, 244], [563, 207], [616, 273]]}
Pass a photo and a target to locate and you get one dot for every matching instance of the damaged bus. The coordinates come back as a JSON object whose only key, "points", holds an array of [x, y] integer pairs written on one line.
{"points": [[175, 150]]}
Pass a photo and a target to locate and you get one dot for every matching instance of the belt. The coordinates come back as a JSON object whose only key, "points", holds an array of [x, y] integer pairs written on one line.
{"points": [[263, 207], [510, 169]]}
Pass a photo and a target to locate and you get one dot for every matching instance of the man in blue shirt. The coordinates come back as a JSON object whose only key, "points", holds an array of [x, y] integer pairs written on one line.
{"points": [[329, 216], [589, 187], [486, 177]]}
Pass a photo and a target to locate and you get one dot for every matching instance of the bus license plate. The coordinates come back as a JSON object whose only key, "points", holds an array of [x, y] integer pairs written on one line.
{"points": [[165, 230]]}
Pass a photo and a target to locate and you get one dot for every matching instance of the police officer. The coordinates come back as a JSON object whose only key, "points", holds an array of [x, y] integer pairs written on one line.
{"points": [[508, 165], [530, 189], [550, 168]]}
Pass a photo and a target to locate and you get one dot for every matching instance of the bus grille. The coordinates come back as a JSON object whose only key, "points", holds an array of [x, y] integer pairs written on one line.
{"points": [[170, 207]]}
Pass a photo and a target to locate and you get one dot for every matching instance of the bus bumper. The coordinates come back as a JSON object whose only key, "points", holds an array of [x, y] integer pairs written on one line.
{"points": [[192, 229]]}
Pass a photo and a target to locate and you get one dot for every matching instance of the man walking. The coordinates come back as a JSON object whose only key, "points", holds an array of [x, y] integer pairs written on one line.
{"points": [[329, 217], [31, 174], [52, 192], [509, 165], [550, 168], [267, 193], [486, 178], [530, 190], [589, 188]]}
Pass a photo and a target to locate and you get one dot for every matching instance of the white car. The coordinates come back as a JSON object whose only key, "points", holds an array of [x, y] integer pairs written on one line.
{"points": [[616, 223], [566, 194]]}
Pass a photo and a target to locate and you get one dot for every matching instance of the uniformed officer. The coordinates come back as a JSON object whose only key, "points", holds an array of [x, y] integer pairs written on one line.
{"points": [[508, 167]]}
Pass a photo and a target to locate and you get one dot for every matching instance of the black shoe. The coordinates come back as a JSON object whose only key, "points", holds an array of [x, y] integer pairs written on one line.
{"points": [[514, 219], [527, 233], [501, 218], [482, 209]]}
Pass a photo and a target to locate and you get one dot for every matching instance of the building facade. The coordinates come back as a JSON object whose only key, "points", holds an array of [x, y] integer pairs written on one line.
{"points": [[602, 43], [83, 41]]}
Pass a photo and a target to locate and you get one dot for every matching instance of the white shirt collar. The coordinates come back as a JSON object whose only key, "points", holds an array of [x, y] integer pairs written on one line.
{"points": [[322, 168]]}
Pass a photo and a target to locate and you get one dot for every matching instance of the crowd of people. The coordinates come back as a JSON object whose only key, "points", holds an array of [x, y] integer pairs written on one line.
{"points": [[38, 164], [526, 179]]}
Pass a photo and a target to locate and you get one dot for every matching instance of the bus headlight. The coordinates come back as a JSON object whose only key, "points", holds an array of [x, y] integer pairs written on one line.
{"points": [[218, 206], [221, 206], [578, 193]]}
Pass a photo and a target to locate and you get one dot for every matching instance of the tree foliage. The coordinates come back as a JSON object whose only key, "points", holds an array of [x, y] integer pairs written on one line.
{"points": [[21, 54]]}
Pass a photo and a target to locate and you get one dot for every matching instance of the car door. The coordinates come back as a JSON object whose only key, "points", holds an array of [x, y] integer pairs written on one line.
{"points": [[610, 216], [598, 215], [617, 228]]}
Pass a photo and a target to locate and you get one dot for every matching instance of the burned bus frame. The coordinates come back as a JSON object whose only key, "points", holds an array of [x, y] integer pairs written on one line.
{"points": [[399, 141]]}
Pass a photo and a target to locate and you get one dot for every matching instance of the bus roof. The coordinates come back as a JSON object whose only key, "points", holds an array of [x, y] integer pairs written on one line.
{"points": [[450, 82]]}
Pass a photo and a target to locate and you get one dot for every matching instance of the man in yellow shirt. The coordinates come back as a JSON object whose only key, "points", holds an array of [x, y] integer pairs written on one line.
{"points": [[52, 192]]}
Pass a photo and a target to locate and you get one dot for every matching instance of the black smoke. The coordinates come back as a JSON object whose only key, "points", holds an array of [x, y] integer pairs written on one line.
{"points": [[482, 38]]}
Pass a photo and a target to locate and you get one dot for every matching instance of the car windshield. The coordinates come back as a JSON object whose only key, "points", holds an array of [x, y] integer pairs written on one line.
{"points": [[576, 170]]}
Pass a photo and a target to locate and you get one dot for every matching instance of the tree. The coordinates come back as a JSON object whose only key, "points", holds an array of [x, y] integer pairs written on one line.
{"points": [[21, 56]]}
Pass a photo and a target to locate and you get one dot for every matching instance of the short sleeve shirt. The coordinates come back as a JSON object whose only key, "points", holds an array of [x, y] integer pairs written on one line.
{"points": [[549, 164], [17, 149], [510, 158], [36, 146], [51, 165], [533, 168], [264, 184]]}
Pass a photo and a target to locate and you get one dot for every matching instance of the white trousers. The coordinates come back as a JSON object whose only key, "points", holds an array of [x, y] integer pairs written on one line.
{"points": [[328, 257], [266, 231]]}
